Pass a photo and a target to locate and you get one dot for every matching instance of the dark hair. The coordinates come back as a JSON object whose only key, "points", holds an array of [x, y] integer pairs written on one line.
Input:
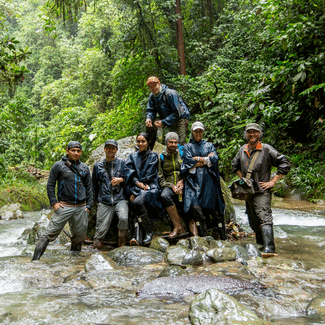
{"points": [[143, 134]]}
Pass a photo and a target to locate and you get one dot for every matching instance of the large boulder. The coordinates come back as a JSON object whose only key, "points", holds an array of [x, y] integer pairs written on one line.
{"points": [[11, 212], [316, 309], [216, 307]]}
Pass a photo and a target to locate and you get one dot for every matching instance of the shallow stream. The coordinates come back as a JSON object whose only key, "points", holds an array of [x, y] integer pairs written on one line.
{"points": [[56, 290]]}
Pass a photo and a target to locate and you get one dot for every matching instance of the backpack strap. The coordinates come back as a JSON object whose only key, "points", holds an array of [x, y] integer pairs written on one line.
{"points": [[251, 165]]}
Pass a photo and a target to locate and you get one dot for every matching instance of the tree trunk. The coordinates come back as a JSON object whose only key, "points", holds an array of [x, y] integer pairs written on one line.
{"points": [[180, 39]]}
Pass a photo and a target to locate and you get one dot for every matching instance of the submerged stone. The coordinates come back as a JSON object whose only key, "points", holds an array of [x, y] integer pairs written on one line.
{"points": [[216, 307], [252, 250], [99, 262], [181, 286], [133, 256], [316, 308]]}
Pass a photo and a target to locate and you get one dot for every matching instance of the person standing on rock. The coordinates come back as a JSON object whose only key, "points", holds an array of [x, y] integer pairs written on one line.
{"points": [[73, 202], [108, 186], [170, 181], [172, 110], [202, 189], [258, 208], [143, 189]]}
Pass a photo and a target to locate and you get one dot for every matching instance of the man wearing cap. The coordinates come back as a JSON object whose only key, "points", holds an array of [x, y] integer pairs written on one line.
{"points": [[73, 202], [173, 112], [108, 186], [170, 181], [202, 189], [258, 208]]}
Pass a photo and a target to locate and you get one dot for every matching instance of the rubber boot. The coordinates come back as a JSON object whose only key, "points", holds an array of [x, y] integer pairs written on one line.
{"points": [[200, 220], [75, 248], [173, 215], [193, 228], [146, 226], [136, 236], [202, 228], [40, 248], [222, 230], [268, 239], [122, 237], [259, 238]]}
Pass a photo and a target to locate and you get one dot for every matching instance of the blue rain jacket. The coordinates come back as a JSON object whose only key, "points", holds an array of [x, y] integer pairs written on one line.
{"points": [[148, 175], [202, 187], [170, 107]]}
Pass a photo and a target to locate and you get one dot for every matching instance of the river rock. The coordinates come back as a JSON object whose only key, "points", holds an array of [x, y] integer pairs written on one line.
{"points": [[99, 262], [159, 244], [184, 242], [133, 256], [316, 308], [216, 307], [199, 243], [252, 250], [222, 254], [241, 253], [172, 270], [11, 212], [176, 254], [217, 244], [193, 258]]}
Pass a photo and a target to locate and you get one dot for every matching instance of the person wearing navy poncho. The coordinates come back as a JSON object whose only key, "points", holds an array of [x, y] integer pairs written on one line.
{"points": [[142, 187], [202, 189]]}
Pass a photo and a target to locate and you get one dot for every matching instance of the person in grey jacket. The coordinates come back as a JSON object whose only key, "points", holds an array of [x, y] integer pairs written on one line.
{"points": [[173, 112], [108, 186], [73, 202], [258, 208]]}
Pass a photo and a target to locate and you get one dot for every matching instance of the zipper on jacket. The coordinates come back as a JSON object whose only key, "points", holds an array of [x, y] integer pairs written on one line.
{"points": [[112, 170]]}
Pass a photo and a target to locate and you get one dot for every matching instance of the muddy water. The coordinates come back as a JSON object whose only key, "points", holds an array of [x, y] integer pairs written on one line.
{"points": [[56, 290]]}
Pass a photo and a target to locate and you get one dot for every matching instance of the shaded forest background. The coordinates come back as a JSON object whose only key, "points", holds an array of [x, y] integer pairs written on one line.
{"points": [[77, 70]]}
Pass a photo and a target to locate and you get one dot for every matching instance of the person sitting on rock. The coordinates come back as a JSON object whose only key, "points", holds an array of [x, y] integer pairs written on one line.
{"points": [[75, 199], [170, 181], [108, 180], [202, 189], [143, 188]]}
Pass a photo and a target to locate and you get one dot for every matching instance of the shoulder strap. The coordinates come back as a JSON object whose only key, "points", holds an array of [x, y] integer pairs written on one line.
{"points": [[251, 165], [75, 170]]}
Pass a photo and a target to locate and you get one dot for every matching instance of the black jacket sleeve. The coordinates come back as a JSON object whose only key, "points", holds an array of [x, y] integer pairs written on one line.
{"points": [[51, 184]]}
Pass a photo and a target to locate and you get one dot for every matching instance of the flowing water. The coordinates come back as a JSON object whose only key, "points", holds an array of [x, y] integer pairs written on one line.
{"points": [[56, 290]]}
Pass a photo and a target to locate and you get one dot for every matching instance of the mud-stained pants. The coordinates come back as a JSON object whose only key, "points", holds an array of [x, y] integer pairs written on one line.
{"points": [[259, 211]]}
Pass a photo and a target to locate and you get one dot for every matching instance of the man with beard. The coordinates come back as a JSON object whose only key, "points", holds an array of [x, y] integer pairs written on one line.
{"points": [[258, 208], [170, 181]]}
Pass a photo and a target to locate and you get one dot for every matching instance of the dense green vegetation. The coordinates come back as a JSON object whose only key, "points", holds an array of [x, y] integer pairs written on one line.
{"points": [[78, 72]]}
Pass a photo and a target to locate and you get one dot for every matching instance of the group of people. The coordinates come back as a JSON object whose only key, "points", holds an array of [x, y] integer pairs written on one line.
{"points": [[185, 177]]}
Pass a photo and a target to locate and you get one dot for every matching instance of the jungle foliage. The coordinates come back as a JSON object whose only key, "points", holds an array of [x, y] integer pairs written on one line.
{"points": [[77, 70]]}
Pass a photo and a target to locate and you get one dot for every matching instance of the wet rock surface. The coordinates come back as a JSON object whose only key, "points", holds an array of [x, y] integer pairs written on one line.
{"points": [[11, 212], [216, 307], [133, 256]]}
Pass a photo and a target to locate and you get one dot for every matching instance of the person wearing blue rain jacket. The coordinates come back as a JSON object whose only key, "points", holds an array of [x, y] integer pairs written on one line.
{"points": [[142, 187], [173, 112], [202, 189]]}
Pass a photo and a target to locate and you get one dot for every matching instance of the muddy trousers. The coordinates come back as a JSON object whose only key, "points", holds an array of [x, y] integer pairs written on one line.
{"points": [[105, 214], [259, 212], [78, 222], [179, 127]]}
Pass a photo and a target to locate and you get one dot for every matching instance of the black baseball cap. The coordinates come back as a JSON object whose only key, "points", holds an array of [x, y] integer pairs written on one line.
{"points": [[74, 144], [112, 142]]}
